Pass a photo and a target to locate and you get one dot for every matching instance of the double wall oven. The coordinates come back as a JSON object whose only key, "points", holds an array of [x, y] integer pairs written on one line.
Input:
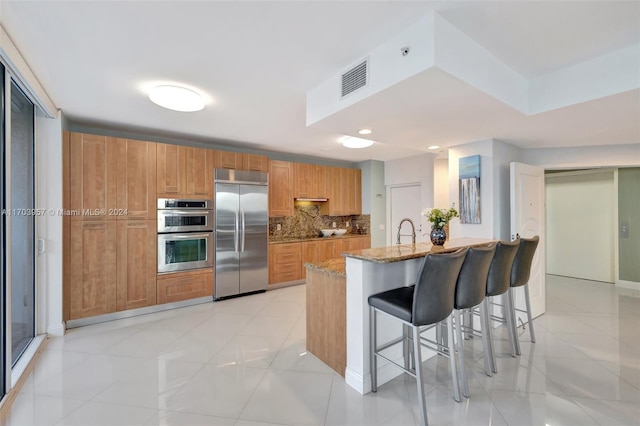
{"points": [[185, 234]]}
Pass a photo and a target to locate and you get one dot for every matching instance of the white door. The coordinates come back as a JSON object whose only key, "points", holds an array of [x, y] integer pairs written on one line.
{"points": [[404, 202], [527, 220]]}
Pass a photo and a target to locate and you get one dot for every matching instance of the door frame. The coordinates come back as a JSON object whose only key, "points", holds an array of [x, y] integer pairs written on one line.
{"points": [[390, 232]]}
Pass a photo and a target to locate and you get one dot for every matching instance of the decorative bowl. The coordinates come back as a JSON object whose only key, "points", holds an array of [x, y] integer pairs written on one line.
{"points": [[340, 231], [327, 232]]}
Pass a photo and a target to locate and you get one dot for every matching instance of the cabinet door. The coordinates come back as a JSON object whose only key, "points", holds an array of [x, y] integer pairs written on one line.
{"points": [[255, 162], [92, 274], [348, 185], [136, 180], [285, 262], [228, 160], [137, 264], [280, 188], [199, 171], [340, 246], [302, 180], [185, 285], [334, 188], [92, 176], [358, 192], [360, 243], [318, 181], [171, 170]]}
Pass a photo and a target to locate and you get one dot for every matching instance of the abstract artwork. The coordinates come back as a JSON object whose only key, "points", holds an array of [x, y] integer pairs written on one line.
{"points": [[469, 189]]}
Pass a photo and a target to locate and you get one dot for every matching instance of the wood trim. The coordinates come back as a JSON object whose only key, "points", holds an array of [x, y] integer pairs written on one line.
{"points": [[66, 228]]}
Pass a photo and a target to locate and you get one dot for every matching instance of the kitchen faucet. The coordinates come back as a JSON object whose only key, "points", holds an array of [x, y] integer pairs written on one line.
{"points": [[413, 230]]}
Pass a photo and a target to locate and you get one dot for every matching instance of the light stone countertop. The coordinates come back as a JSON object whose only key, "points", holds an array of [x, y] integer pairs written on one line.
{"points": [[333, 266], [282, 240]]}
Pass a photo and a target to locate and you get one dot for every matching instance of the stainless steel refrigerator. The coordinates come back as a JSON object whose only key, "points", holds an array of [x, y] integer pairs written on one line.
{"points": [[241, 232]]}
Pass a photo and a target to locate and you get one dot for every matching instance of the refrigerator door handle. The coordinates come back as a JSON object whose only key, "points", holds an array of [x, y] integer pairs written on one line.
{"points": [[237, 230], [243, 231]]}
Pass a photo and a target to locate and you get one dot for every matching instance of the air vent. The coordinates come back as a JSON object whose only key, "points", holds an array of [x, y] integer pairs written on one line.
{"points": [[355, 78]]}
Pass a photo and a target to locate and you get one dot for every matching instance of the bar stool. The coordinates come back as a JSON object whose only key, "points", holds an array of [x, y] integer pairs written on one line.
{"points": [[520, 273], [427, 302], [498, 284], [470, 292]]}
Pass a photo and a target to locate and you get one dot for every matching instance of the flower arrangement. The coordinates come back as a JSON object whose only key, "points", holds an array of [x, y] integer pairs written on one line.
{"points": [[440, 217]]}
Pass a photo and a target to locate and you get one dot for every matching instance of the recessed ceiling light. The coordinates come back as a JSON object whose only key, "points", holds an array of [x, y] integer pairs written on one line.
{"points": [[365, 131], [176, 98], [351, 142], [434, 147]]}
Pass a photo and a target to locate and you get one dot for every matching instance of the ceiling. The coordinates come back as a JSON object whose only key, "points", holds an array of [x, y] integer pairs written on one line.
{"points": [[256, 61]]}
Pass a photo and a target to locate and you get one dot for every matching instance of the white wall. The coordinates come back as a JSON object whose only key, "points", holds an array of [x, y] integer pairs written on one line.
{"points": [[581, 223], [584, 156], [374, 200], [49, 226], [418, 169], [441, 183]]}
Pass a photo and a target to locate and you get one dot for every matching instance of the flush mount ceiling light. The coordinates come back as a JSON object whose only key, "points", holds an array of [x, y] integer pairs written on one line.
{"points": [[351, 142], [176, 98], [434, 147], [365, 131]]}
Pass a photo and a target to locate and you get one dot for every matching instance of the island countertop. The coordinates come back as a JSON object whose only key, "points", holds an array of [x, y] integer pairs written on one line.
{"points": [[401, 252], [332, 266]]}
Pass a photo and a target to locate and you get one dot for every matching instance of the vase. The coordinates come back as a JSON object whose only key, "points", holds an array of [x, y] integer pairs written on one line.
{"points": [[438, 236]]}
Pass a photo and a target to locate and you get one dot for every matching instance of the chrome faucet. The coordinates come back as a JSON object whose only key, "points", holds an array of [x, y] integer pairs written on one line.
{"points": [[413, 230]]}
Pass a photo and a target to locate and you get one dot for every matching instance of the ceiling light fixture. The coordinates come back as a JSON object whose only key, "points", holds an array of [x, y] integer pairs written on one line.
{"points": [[434, 147], [365, 131], [352, 142], [176, 98]]}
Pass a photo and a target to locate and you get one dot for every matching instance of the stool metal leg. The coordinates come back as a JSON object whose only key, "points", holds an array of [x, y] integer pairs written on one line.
{"points": [[417, 355], [512, 310], [459, 343], [507, 311], [487, 306], [406, 350], [486, 336], [452, 360], [532, 333], [372, 349]]}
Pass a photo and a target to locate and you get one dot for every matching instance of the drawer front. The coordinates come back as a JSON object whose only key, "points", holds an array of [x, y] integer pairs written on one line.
{"points": [[288, 257], [284, 268], [184, 286]]}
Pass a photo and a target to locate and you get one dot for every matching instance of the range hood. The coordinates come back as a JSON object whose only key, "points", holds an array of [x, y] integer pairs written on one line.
{"points": [[310, 199]]}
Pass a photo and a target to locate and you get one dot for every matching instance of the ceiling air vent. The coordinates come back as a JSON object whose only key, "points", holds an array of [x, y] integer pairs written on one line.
{"points": [[355, 78]]}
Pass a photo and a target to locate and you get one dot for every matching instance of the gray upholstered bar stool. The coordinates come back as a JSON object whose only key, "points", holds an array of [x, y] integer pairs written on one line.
{"points": [[470, 292], [498, 284], [520, 273], [427, 302]]}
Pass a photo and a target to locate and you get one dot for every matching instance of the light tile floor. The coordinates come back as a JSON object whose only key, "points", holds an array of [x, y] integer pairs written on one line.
{"points": [[243, 362]]}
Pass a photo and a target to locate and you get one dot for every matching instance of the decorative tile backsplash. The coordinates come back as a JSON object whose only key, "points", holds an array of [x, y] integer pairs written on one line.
{"points": [[307, 222]]}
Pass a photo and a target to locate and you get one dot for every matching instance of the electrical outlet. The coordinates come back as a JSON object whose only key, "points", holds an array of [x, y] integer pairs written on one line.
{"points": [[333, 224], [381, 227], [278, 227], [348, 224]]}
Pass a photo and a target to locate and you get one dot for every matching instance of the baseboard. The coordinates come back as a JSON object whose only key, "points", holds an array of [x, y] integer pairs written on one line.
{"points": [[631, 285]]}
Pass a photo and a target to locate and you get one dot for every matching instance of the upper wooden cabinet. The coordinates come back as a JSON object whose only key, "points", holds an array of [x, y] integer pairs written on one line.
{"points": [[255, 162], [318, 181], [280, 188], [334, 190], [302, 180], [92, 176], [351, 194], [184, 171], [228, 160], [136, 179]]}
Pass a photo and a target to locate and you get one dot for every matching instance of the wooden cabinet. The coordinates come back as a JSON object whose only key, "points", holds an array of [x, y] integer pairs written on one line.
{"points": [[316, 251], [280, 188], [351, 184], [318, 181], [179, 286], [285, 262], [360, 243], [92, 176], [334, 190], [136, 263], [136, 180], [92, 268], [184, 171], [228, 160], [302, 181], [255, 162], [199, 173], [171, 170]]}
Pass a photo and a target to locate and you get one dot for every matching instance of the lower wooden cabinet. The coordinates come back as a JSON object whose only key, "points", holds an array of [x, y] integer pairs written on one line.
{"points": [[316, 251], [285, 262], [177, 286], [137, 264]]}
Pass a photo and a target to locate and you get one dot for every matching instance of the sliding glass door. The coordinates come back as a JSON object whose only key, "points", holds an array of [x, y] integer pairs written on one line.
{"points": [[22, 223], [3, 244]]}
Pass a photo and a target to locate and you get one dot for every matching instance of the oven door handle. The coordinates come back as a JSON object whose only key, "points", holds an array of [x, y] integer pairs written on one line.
{"points": [[243, 231], [184, 237], [237, 231]]}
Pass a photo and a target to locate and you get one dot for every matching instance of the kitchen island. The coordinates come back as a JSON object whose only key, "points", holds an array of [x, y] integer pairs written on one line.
{"points": [[366, 272]]}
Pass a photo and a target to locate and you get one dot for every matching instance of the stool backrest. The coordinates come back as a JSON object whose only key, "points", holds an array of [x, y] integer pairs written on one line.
{"points": [[521, 269], [435, 287], [499, 278], [472, 280]]}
